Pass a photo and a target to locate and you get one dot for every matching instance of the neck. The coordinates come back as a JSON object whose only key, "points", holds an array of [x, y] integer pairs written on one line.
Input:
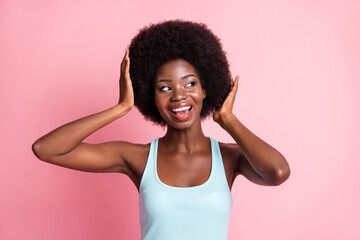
{"points": [[184, 140]]}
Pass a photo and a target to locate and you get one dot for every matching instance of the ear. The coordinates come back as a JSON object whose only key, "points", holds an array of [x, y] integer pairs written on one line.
{"points": [[204, 92]]}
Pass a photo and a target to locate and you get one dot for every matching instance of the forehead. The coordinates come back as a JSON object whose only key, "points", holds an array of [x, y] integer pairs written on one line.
{"points": [[175, 68]]}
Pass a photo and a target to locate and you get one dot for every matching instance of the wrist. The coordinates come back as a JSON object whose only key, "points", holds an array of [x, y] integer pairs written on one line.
{"points": [[122, 109], [225, 119]]}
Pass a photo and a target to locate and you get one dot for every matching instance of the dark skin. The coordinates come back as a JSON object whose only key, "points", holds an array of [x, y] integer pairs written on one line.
{"points": [[184, 153]]}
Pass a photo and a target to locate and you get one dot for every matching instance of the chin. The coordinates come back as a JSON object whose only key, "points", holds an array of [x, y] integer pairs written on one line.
{"points": [[183, 125]]}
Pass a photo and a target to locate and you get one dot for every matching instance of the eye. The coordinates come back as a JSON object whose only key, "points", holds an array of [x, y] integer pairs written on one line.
{"points": [[190, 84], [164, 89]]}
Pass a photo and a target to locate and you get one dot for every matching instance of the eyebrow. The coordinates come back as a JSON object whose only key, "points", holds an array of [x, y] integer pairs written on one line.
{"points": [[182, 78], [186, 76]]}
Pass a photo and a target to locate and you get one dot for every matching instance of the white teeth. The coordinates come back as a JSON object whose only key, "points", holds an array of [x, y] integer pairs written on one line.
{"points": [[180, 109]]}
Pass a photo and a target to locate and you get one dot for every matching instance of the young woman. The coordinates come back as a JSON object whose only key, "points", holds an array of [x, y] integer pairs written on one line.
{"points": [[178, 75]]}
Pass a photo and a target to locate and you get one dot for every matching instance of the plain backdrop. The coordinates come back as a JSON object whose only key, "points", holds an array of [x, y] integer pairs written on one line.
{"points": [[299, 67]]}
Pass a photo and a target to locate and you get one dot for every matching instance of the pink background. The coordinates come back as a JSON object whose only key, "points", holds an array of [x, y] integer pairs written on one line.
{"points": [[299, 67]]}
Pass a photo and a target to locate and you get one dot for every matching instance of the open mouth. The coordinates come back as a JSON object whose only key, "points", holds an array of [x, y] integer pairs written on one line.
{"points": [[181, 113]]}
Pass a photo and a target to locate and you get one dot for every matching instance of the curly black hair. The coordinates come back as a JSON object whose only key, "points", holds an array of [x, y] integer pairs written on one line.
{"points": [[177, 39]]}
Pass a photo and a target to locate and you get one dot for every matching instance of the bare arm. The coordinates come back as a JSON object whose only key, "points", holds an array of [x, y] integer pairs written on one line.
{"points": [[259, 162], [63, 146]]}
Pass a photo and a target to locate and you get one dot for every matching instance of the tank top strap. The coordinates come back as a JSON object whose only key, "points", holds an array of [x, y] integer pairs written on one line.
{"points": [[148, 174], [218, 169]]}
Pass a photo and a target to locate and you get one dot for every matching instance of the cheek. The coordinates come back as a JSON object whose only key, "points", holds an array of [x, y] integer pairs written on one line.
{"points": [[199, 95]]}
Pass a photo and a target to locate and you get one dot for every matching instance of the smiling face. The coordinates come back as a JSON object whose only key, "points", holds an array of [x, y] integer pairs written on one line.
{"points": [[178, 93]]}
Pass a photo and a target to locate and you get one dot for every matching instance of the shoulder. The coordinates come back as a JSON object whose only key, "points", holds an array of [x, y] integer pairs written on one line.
{"points": [[231, 150], [131, 151], [231, 154], [134, 155]]}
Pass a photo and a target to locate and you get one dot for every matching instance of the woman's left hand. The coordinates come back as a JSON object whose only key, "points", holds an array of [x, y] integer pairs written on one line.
{"points": [[227, 106]]}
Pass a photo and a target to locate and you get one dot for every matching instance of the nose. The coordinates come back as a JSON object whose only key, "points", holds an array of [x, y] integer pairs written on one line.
{"points": [[178, 94]]}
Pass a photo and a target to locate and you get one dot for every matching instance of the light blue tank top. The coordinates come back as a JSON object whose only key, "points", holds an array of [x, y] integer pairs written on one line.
{"points": [[184, 213]]}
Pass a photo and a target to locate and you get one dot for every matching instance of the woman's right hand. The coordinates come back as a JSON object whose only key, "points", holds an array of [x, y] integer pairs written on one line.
{"points": [[125, 84], [63, 146]]}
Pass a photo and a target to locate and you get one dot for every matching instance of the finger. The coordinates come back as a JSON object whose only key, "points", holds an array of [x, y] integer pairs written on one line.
{"points": [[236, 83], [126, 55], [127, 67], [232, 82]]}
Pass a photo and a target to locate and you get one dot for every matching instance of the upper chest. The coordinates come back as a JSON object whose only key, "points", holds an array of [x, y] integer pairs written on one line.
{"points": [[193, 169], [184, 169]]}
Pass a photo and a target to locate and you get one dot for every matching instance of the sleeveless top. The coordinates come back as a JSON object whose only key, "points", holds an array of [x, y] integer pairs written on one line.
{"points": [[179, 213]]}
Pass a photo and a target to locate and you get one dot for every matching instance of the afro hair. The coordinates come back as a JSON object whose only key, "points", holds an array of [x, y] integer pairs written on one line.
{"points": [[177, 39]]}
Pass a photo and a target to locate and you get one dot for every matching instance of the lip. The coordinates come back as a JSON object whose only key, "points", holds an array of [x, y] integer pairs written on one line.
{"points": [[179, 108]]}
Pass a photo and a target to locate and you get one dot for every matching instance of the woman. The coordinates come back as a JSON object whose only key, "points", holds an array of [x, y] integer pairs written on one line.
{"points": [[180, 76]]}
